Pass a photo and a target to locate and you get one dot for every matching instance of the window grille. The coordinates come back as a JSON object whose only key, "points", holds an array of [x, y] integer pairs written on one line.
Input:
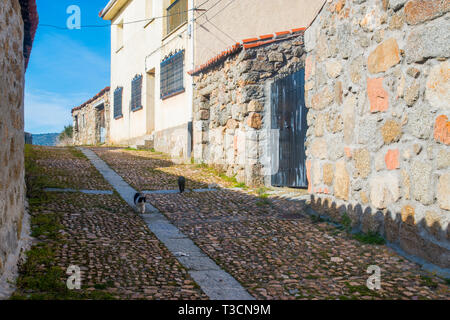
{"points": [[172, 75], [136, 93], [176, 14], [118, 102]]}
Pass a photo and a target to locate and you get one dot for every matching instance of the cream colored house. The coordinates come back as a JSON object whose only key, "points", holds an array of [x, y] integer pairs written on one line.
{"points": [[152, 50], [144, 46]]}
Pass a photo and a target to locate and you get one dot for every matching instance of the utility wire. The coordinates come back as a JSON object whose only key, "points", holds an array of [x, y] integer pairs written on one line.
{"points": [[220, 11], [223, 32], [195, 19], [203, 3], [209, 9], [209, 20], [115, 24]]}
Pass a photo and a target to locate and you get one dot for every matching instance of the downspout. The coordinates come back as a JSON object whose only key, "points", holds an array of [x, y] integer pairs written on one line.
{"points": [[191, 92]]}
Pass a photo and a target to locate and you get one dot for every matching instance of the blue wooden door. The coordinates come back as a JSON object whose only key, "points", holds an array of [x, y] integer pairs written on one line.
{"points": [[288, 115]]}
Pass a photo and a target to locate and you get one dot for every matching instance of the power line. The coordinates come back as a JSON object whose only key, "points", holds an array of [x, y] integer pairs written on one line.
{"points": [[131, 22], [220, 11], [208, 9], [203, 3], [195, 19], [115, 24], [214, 35], [223, 32], [209, 20]]}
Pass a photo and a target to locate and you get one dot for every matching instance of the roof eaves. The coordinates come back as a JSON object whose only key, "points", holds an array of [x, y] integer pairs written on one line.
{"points": [[248, 44], [98, 95], [30, 19]]}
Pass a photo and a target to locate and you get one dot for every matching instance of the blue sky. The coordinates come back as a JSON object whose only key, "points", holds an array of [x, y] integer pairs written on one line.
{"points": [[67, 67]]}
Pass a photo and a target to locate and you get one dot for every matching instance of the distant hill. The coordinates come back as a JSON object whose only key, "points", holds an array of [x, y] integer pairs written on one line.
{"points": [[45, 139]]}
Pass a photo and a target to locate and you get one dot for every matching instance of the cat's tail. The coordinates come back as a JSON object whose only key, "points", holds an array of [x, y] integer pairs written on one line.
{"points": [[136, 197]]}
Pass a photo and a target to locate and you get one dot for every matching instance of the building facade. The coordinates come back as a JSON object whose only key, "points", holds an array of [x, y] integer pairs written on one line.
{"points": [[150, 59], [16, 39], [28, 138], [149, 87], [91, 120], [356, 110]]}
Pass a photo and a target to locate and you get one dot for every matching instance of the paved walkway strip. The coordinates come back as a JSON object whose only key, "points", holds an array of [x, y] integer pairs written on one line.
{"points": [[214, 281], [82, 191]]}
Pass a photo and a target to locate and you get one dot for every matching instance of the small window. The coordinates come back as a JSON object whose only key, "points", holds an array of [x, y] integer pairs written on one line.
{"points": [[76, 123], [119, 36], [172, 75], [136, 93], [118, 102]]}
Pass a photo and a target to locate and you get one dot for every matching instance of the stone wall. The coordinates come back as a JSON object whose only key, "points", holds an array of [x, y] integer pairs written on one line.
{"points": [[173, 141], [378, 93], [232, 104], [12, 185], [28, 138], [89, 117]]}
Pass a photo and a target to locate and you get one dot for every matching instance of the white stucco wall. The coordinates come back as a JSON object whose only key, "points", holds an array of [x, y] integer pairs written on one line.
{"points": [[144, 47], [138, 40], [227, 22]]}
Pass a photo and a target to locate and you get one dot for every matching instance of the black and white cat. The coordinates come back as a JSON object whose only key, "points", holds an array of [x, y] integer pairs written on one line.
{"points": [[139, 201]]}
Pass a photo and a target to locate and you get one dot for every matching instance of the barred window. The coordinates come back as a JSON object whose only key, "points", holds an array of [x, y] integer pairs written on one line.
{"points": [[136, 93], [118, 102], [177, 14], [172, 75]]}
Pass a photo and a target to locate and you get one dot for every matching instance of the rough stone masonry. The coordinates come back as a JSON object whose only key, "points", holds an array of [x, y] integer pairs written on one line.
{"points": [[90, 118], [232, 105], [16, 35], [378, 93], [377, 89]]}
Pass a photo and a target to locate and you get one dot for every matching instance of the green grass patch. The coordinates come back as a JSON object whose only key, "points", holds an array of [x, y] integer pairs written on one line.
{"points": [[263, 200], [369, 238], [317, 219], [428, 281], [77, 153], [362, 290], [240, 185], [346, 221], [219, 173], [35, 178], [46, 224]]}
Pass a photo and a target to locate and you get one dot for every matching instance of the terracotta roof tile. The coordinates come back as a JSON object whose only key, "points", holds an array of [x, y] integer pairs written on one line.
{"points": [[30, 18], [98, 95], [247, 44]]}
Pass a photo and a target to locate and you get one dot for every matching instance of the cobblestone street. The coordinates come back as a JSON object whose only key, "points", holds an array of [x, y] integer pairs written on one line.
{"points": [[118, 256], [267, 243]]}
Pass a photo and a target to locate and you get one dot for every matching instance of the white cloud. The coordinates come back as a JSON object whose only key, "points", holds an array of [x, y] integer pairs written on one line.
{"points": [[63, 73], [47, 112]]}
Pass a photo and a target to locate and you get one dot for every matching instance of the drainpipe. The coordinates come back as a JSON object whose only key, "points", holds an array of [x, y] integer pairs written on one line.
{"points": [[191, 92]]}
